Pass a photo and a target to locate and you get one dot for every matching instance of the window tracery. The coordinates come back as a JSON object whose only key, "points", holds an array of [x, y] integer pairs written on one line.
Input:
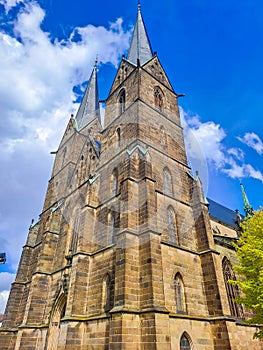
{"points": [[179, 294], [185, 343], [232, 290], [172, 227]]}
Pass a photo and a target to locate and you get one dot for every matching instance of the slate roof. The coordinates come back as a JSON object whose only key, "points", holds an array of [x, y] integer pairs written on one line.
{"points": [[140, 47], [221, 213], [89, 107]]}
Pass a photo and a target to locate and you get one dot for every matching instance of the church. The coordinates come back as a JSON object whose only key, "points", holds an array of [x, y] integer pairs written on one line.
{"points": [[128, 253]]}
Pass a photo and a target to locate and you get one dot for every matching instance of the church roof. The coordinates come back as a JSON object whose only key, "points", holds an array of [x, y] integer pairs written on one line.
{"points": [[89, 107], [221, 213], [140, 47]]}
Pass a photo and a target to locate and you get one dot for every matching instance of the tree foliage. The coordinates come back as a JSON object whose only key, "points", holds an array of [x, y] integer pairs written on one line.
{"points": [[250, 254]]}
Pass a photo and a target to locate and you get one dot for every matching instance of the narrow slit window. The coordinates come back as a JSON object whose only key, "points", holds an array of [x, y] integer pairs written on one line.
{"points": [[114, 182], [158, 98], [106, 293], [167, 182], [111, 227], [172, 226], [122, 101], [118, 137], [179, 294]]}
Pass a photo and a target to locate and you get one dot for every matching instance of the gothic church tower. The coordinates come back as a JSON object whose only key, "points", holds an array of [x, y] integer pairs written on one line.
{"points": [[123, 255]]}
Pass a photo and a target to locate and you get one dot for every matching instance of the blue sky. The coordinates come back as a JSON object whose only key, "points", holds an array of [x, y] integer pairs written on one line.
{"points": [[211, 51]]}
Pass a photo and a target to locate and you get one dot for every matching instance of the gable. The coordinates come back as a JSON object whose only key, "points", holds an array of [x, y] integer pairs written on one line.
{"points": [[155, 68], [124, 70]]}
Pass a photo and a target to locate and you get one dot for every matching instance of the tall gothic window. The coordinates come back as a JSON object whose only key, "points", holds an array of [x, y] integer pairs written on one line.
{"points": [[118, 131], [167, 182], [179, 294], [122, 101], [172, 227], [158, 98], [232, 290], [106, 293], [185, 343], [114, 182]]}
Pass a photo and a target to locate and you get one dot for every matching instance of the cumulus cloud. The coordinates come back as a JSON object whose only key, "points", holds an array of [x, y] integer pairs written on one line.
{"points": [[6, 279], [3, 300], [37, 76], [244, 170], [205, 143], [208, 135], [8, 4], [252, 140], [237, 153]]}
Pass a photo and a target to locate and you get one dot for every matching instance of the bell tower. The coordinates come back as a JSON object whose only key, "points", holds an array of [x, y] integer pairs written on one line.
{"points": [[123, 254]]}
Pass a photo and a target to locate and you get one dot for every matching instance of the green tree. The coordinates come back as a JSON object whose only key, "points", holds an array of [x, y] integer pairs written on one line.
{"points": [[250, 254]]}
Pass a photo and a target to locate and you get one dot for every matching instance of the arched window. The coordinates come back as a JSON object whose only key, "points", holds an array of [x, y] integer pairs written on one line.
{"points": [[185, 342], [179, 294], [118, 131], [163, 138], [122, 101], [158, 98], [232, 290], [57, 314], [167, 182], [106, 293], [114, 182], [172, 227]]}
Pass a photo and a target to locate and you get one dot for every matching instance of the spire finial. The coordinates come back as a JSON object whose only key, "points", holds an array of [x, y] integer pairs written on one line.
{"points": [[140, 47], [248, 209], [89, 108], [96, 60]]}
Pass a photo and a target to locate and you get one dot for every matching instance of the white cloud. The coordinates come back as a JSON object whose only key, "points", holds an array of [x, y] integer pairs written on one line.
{"points": [[6, 279], [207, 140], [244, 170], [8, 4], [252, 140], [255, 174], [37, 76], [3, 300], [237, 153], [209, 136]]}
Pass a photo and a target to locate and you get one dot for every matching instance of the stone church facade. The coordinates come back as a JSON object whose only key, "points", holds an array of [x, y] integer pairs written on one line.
{"points": [[127, 252]]}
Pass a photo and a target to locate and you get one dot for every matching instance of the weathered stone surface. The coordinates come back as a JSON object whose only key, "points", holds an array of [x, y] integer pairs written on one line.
{"points": [[100, 268]]}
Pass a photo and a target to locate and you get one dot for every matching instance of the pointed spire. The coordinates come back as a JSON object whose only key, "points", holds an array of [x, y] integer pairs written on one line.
{"points": [[248, 209], [140, 48], [89, 107]]}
